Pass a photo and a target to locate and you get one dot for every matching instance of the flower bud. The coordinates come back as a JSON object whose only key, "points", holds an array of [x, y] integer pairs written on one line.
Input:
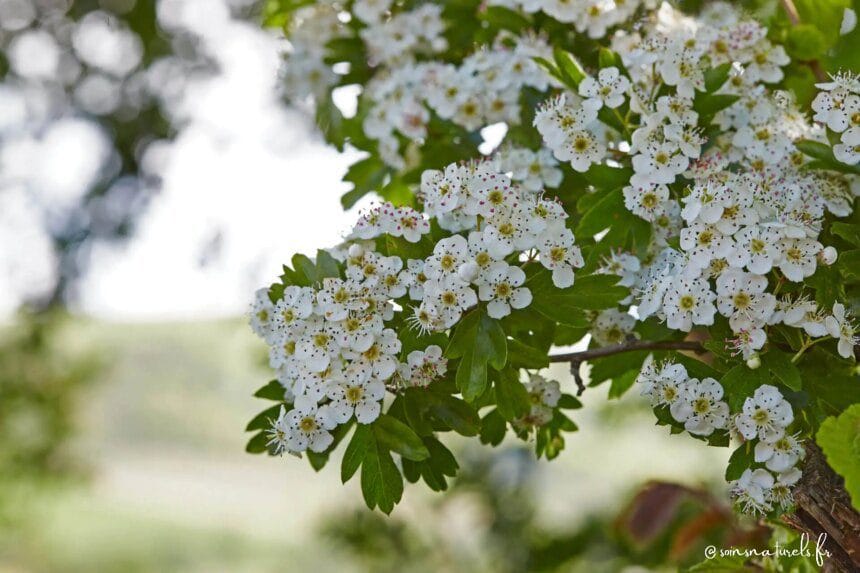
{"points": [[356, 251], [753, 362], [827, 256], [468, 271]]}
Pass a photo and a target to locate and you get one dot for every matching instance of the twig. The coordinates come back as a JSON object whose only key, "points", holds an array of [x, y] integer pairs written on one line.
{"points": [[577, 358]]}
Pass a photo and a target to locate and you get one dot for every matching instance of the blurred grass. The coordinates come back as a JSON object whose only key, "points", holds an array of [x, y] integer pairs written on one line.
{"points": [[171, 489]]}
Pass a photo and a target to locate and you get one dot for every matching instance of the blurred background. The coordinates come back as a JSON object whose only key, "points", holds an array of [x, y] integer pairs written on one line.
{"points": [[151, 178]]}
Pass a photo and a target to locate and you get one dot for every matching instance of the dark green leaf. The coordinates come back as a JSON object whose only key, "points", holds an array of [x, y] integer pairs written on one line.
{"points": [[741, 459], [355, 451], [271, 391], [263, 420], [396, 436], [258, 443], [512, 398], [381, 482], [740, 382], [780, 365], [493, 428], [455, 413], [477, 341]]}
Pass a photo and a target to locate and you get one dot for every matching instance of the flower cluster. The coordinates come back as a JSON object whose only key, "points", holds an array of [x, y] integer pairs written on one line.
{"points": [[544, 396], [838, 107], [483, 89], [330, 342], [697, 404], [764, 418]]}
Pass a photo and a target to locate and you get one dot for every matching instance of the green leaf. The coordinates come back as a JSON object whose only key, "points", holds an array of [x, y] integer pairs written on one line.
{"points": [[396, 436], [780, 365], [271, 391], [366, 175], [604, 177], [455, 413], [716, 77], [381, 482], [805, 42], [258, 443], [839, 438], [569, 67], [849, 264], [327, 266], [849, 232], [569, 402], [263, 420], [493, 428], [355, 451], [524, 356], [590, 292], [478, 340], [741, 459], [505, 18], [740, 382], [621, 384], [707, 105], [824, 154], [602, 214], [305, 268], [512, 398]]}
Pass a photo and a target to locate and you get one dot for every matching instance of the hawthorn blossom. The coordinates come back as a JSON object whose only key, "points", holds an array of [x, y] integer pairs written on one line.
{"points": [[700, 407], [501, 287], [841, 327], [608, 89], [765, 414]]}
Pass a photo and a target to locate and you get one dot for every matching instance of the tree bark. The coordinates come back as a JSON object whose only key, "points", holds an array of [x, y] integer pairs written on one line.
{"points": [[823, 506]]}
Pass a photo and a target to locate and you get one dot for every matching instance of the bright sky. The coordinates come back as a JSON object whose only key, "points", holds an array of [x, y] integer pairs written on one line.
{"points": [[246, 174]]}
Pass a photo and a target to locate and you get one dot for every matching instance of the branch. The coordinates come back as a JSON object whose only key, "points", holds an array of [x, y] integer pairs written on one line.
{"points": [[577, 358]]}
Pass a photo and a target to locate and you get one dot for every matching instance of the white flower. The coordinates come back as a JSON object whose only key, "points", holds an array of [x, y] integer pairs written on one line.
{"points": [[680, 68], [261, 314], [501, 286], [659, 163], [408, 223], [756, 248], [841, 327], [848, 151], [741, 297], [306, 426], [664, 385], [424, 366], [752, 490], [704, 243], [358, 393], [765, 415], [380, 358], [558, 254], [766, 63], [778, 454], [442, 191], [612, 326], [799, 258], [647, 201], [536, 171], [700, 407], [581, 149], [448, 255], [318, 346], [804, 313], [544, 396], [449, 298], [781, 490], [688, 302], [608, 89], [337, 298], [746, 342]]}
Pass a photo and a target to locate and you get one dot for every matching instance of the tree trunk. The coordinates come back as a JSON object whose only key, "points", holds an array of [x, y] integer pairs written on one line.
{"points": [[823, 506]]}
